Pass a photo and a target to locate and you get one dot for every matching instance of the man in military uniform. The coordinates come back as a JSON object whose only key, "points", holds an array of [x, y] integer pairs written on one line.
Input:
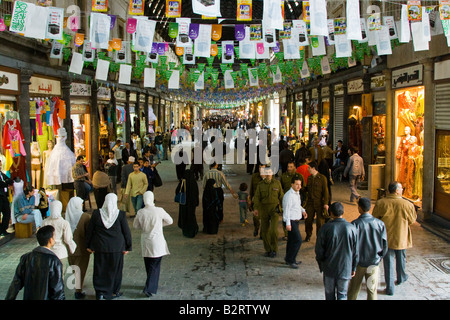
{"points": [[268, 197], [286, 179], [317, 201], [256, 178]]}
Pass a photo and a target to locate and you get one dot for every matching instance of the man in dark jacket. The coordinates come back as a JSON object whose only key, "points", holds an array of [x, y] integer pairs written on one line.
{"points": [[5, 210], [337, 253], [40, 271], [372, 247]]}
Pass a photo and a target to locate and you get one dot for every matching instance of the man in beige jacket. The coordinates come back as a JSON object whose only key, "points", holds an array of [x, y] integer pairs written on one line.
{"points": [[398, 215]]}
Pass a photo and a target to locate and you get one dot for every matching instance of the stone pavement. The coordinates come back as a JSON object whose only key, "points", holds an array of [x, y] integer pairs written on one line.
{"points": [[231, 265]]}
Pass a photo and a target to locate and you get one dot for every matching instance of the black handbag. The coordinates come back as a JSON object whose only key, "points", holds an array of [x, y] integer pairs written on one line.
{"points": [[157, 181]]}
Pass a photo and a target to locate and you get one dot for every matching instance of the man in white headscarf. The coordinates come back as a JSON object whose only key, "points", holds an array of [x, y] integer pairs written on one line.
{"points": [[151, 221], [78, 221], [109, 238], [63, 233]]}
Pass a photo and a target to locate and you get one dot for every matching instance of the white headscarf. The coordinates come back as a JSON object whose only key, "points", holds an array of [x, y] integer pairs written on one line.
{"points": [[149, 199], [74, 211], [109, 212], [55, 209]]}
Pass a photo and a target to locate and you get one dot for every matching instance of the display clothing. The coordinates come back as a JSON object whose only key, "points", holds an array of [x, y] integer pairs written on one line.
{"points": [[18, 168], [405, 153], [58, 168]]}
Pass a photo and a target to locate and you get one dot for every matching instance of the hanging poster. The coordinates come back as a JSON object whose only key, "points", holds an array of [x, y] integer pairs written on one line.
{"points": [[173, 8], [19, 16], [203, 41], [55, 21], [318, 46], [299, 32], [239, 32], [216, 32], [76, 65], [152, 56], [244, 10], [183, 39], [228, 79], [136, 7], [125, 74], [306, 16], [291, 48], [364, 31], [247, 48], [99, 30], [122, 55], [200, 83], [188, 56], [143, 37], [227, 51], [149, 78], [88, 52], [253, 77], [272, 14], [209, 8], [99, 5], [269, 37], [419, 40], [414, 11], [318, 12], [255, 32], [79, 39], [390, 23], [36, 22], [343, 46], [353, 29], [383, 41], [374, 21], [102, 70], [194, 30], [57, 48], [174, 80], [330, 37], [261, 51], [405, 31], [444, 9], [286, 32]]}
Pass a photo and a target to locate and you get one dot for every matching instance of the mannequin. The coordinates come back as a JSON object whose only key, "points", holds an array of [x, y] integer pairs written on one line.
{"points": [[36, 159], [58, 168], [45, 155], [18, 191], [406, 156]]}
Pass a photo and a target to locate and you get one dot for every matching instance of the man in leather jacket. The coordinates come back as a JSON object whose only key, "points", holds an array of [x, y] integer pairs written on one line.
{"points": [[337, 253], [40, 271], [372, 246]]}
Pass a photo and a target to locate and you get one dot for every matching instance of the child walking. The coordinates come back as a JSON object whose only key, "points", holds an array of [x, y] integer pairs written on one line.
{"points": [[244, 199]]}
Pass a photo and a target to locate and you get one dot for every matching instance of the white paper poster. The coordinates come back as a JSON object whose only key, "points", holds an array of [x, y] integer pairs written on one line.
{"points": [[200, 83], [19, 16], [254, 82], [228, 79], [247, 48], [174, 81], [143, 37], [305, 71], [300, 32], [405, 32], [99, 30], [125, 74], [76, 65], [330, 37], [269, 37], [227, 53], [318, 16], [57, 48], [188, 56], [55, 23], [272, 15], [318, 46], [419, 40], [383, 41], [343, 46], [123, 55], [325, 65], [426, 24], [183, 39], [277, 77], [390, 23], [149, 78], [36, 22], [203, 42], [88, 52], [102, 70], [209, 8], [291, 49], [353, 30], [364, 31]]}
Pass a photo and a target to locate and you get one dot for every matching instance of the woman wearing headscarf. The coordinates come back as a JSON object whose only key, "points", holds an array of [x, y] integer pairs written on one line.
{"points": [[186, 214], [109, 238], [79, 222], [151, 221], [211, 203], [63, 233]]}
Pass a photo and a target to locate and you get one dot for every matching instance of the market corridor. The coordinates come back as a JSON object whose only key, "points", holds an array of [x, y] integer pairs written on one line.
{"points": [[231, 265]]}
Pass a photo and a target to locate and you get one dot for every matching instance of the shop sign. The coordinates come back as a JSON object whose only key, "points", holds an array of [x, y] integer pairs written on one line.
{"points": [[45, 86], [325, 91], [407, 77], [299, 96], [142, 98], [104, 93], [377, 82], [80, 89], [338, 89], [78, 108], [314, 93], [133, 97], [355, 86], [441, 70], [120, 95], [9, 81]]}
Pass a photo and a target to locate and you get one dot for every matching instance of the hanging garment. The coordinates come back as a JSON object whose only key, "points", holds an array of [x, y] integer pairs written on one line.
{"points": [[13, 139]]}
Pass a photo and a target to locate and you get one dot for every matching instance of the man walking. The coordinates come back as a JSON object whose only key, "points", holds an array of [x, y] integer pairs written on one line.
{"points": [[268, 196], [159, 146], [355, 172], [372, 246], [398, 215], [136, 187], [337, 253], [292, 214], [317, 202]]}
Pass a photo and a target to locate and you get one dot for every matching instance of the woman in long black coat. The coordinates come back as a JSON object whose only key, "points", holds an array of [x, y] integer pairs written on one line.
{"points": [[211, 203], [186, 217]]}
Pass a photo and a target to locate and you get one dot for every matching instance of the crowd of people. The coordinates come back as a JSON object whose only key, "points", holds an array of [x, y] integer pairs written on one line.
{"points": [[345, 252]]}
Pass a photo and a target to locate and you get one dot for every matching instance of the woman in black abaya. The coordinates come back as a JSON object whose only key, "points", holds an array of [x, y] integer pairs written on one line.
{"points": [[186, 214], [211, 203]]}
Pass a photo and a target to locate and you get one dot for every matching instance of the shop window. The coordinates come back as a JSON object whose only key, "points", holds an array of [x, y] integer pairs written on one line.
{"points": [[442, 177], [409, 142]]}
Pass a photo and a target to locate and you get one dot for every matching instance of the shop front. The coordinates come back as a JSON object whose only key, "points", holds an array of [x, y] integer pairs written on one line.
{"points": [[120, 115], [106, 126], [324, 115], [354, 107], [338, 117], [80, 105], [377, 87], [299, 115], [409, 109]]}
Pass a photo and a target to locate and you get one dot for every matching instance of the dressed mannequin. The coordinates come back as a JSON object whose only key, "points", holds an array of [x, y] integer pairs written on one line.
{"points": [[58, 168], [36, 160], [45, 155], [405, 153], [17, 192]]}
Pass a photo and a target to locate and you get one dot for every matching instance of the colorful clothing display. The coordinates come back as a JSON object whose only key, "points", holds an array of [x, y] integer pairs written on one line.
{"points": [[405, 153]]}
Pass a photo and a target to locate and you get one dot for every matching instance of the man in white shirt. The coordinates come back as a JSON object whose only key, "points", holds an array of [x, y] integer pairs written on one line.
{"points": [[293, 212]]}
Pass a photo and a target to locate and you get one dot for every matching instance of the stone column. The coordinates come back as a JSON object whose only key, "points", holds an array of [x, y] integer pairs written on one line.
{"points": [[346, 114], [429, 148], [146, 112], [95, 129], [389, 130], [331, 121], [127, 119], [65, 90], [24, 114]]}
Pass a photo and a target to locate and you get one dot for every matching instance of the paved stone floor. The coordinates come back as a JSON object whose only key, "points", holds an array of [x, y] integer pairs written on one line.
{"points": [[231, 265]]}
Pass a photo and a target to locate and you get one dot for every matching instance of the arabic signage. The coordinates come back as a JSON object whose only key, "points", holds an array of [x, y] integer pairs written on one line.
{"points": [[407, 77], [9, 81], [45, 86], [104, 93], [355, 86], [80, 89]]}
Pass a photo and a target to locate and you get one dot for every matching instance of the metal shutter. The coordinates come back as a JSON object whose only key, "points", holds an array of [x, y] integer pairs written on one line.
{"points": [[338, 120], [442, 106]]}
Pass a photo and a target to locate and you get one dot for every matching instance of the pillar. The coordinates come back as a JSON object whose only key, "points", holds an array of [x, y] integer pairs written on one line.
{"points": [[331, 121], [127, 119], [146, 112], [390, 130], [24, 113], [65, 90], [95, 130]]}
